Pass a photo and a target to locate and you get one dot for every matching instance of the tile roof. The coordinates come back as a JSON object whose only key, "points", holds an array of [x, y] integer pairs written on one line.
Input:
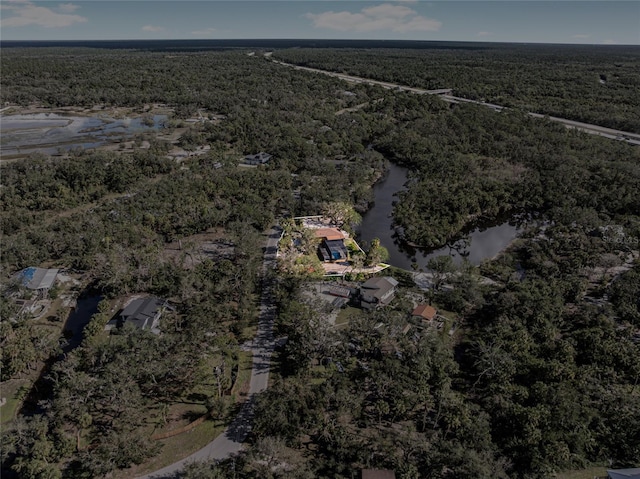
{"points": [[329, 233], [426, 311]]}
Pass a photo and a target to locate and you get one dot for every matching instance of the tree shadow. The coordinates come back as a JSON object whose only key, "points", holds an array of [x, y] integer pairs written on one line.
{"points": [[196, 398], [42, 389], [191, 416]]}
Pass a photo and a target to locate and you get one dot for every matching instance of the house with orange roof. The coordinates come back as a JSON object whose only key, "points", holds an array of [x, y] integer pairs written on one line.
{"points": [[330, 234], [424, 312], [332, 247]]}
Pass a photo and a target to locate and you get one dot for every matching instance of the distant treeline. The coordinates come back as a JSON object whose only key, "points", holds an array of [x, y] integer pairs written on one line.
{"points": [[585, 83], [268, 44]]}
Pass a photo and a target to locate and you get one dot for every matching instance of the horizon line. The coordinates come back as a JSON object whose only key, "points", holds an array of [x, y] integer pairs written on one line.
{"points": [[316, 40]]}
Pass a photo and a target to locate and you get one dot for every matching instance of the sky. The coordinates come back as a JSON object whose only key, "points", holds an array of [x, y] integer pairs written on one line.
{"points": [[559, 21]]}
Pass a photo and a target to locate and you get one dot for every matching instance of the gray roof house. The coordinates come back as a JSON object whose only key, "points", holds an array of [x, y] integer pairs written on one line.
{"points": [[39, 280], [257, 159], [377, 291], [144, 313], [633, 473], [333, 250]]}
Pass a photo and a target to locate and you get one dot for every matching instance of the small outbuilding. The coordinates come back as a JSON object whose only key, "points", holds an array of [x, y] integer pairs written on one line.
{"points": [[340, 291], [424, 312], [257, 159]]}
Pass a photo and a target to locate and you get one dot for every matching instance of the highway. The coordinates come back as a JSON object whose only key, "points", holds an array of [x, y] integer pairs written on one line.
{"points": [[230, 441], [445, 94]]}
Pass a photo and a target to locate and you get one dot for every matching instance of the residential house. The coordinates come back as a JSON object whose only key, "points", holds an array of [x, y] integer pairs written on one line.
{"points": [[257, 159], [39, 280], [377, 291], [342, 293], [633, 473], [333, 250], [144, 313], [330, 234], [332, 247], [424, 312]]}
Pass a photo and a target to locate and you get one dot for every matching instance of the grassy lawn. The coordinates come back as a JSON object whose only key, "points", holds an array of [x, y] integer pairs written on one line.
{"points": [[249, 332], [345, 315], [449, 315], [319, 375], [11, 390], [176, 448], [354, 248], [241, 386]]}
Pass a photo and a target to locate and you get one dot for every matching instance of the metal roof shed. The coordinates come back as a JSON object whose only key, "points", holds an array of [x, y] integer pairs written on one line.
{"points": [[38, 278]]}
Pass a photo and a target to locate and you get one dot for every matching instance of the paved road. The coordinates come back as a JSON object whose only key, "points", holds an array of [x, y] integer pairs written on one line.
{"points": [[445, 94], [355, 79], [230, 441]]}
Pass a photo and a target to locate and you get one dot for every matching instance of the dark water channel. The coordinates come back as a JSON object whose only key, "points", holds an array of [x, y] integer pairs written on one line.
{"points": [[42, 388], [484, 242], [85, 308]]}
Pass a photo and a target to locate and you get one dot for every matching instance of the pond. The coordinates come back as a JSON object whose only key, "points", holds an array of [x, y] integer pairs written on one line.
{"points": [[49, 132], [483, 242]]}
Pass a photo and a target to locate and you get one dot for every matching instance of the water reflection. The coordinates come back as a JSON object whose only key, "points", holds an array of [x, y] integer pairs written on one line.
{"points": [[46, 132], [480, 243]]}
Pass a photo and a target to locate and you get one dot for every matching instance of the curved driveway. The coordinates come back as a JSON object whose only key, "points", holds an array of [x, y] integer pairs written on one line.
{"points": [[230, 441]]}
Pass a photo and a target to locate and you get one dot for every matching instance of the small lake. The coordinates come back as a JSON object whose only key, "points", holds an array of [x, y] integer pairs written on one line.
{"points": [[483, 242], [49, 132]]}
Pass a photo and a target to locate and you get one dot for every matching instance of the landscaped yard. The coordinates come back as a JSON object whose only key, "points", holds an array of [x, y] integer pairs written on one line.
{"points": [[347, 314]]}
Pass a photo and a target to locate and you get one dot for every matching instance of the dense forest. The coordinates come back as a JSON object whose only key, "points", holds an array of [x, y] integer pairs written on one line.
{"points": [[538, 375], [593, 84]]}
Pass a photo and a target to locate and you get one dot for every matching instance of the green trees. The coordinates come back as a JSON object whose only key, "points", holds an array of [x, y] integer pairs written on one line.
{"points": [[341, 214], [377, 253], [538, 367], [35, 454], [24, 346], [625, 296], [550, 79], [541, 373]]}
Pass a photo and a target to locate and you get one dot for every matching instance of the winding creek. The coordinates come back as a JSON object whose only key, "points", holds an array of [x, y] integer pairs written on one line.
{"points": [[484, 242]]}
